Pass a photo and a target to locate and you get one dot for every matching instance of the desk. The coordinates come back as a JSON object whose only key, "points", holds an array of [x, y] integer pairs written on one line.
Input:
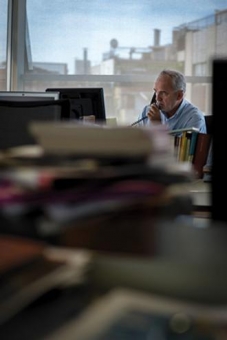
{"points": [[201, 197], [201, 193]]}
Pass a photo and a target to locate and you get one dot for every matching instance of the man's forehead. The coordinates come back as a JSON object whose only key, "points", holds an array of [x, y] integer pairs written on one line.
{"points": [[163, 81]]}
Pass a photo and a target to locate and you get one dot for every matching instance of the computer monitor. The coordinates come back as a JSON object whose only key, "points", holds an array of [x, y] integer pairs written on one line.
{"points": [[219, 178], [28, 96], [18, 109], [84, 102]]}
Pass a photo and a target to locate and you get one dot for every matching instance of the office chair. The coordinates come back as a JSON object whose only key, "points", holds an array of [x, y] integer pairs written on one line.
{"points": [[15, 117]]}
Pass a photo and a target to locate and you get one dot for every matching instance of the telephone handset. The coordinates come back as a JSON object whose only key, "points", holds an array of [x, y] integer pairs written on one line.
{"points": [[153, 100]]}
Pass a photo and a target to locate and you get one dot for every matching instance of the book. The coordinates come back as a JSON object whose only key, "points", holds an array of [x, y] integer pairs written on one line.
{"points": [[92, 140], [185, 146], [207, 169], [29, 269], [192, 147], [188, 144], [201, 153], [176, 146]]}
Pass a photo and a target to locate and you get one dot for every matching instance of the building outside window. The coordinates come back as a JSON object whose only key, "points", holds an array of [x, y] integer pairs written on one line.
{"points": [[119, 45]]}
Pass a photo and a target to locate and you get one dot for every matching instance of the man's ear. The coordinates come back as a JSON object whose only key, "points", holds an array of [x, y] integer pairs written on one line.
{"points": [[180, 95]]}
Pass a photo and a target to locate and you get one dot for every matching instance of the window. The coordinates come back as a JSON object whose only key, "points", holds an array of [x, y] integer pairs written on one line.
{"points": [[3, 39], [120, 45]]}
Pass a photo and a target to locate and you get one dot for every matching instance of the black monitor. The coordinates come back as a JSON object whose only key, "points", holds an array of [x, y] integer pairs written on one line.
{"points": [[219, 177], [84, 102], [18, 109]]}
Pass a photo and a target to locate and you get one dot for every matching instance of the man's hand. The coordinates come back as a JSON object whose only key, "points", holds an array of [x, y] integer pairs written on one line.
{"points": [[154, 113]]}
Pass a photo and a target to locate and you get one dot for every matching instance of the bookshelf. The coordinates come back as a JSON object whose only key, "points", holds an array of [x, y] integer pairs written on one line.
{"points": [[191, 146]]}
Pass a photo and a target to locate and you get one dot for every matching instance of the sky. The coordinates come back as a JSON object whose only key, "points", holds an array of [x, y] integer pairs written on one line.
{"points": [[60, 29]]}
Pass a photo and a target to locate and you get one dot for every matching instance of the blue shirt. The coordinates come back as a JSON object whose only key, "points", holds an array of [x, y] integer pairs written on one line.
{"points": [[186, 116]]}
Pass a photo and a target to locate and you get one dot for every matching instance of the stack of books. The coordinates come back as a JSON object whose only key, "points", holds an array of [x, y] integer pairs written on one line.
{"points": [[89, 177]]}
